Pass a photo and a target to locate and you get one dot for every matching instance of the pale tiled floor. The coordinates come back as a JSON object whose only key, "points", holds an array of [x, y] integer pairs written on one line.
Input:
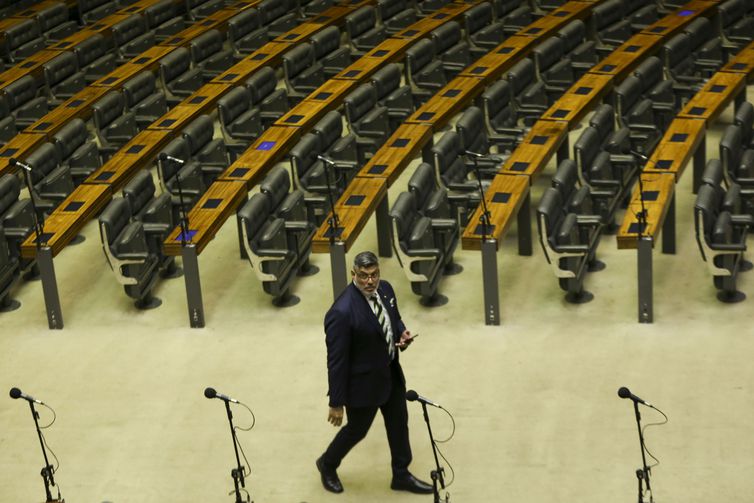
{"points": [[538, 419]]}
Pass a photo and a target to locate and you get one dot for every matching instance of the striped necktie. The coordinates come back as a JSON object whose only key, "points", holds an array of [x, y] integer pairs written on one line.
{"points": [[382, 320]]}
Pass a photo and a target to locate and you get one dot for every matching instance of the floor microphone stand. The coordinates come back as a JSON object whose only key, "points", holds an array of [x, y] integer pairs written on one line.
{"points": [[238, 472], [38, 230], [642, 474], [437, 473], [48, 471], [183, 215], [484, 220]]}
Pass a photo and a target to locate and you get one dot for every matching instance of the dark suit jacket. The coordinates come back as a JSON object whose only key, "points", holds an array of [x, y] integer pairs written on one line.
{"points": [[358, 364]]}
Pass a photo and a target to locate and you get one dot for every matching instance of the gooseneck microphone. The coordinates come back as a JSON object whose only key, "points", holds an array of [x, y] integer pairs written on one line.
{"points": [[325, 159], [16, 393], [211, 393], [413, 396], [626, 393], [15, 162], [474, 154], [166, 157]]}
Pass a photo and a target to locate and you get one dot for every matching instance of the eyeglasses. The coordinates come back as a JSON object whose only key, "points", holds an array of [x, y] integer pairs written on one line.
{"points": [[364, 276]]}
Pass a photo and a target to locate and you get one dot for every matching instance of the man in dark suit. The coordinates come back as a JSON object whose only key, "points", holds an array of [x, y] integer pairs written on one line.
{"points": [[364, 332]]}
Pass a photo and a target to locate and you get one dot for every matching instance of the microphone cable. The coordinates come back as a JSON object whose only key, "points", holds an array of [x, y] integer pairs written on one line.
{"points": [[450, 437], [657, 461], [44, 440], [240, 447]]}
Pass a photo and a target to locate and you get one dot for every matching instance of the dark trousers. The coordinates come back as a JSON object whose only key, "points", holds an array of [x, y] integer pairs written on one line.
{"points": [[359, 419]]}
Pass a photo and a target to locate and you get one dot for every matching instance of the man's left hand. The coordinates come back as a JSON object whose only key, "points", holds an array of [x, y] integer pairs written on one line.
{"points": [[405, 340]]}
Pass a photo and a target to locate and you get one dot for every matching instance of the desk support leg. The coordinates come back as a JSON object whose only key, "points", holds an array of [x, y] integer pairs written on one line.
{"points": [[338, 266], [740, 98], [193, 286], [563, 151], [50, 288], [700, 157], [644, 263], [668, 229], [383, 229], [524, 226], [241, 247], [489, 282]]}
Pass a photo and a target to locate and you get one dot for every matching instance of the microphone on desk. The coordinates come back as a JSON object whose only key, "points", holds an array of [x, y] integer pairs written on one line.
{"points": [[15, 162], [165, 157], [325, 159], [211, 393], [17, 393], [638, 154], [474, 154]]}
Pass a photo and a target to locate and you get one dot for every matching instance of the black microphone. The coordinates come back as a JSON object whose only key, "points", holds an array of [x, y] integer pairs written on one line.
{"points": [[17, 393], [626, 393], [166, 157], [325, 159], [211, 393], [413, 396], [638, 154], [15, 162]]}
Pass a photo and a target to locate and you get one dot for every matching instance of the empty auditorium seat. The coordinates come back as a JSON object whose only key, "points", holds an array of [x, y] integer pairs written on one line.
{"points": [[499, 112], [16, 216], [22, 39], [9, 272], [424, 73], [659, 91], [553, 67], [576, 197], [51, 182], [303, 74], [144, 99], [23, 101], [246, 32], [363, 32], [266, 240], [177, 77], [184, 182], [722, 242], [517, 18], [113, 125], [473, 136], [707, 46], [95, 57], [636, 112], [610, 25], [240, 121], [417, 249], [125, 246], [279, 16], [432, 200], [272, 102], [164, 19], [208, 54], [367, 119], [527, 93], [391, 94], [430, 6], [737, 157], [311, 8], [76, 149], [132, 37], [569, 242], [8, 127], [63, 77], [481, 30], [735, 27], [396, 14], [94, 10], [340, 148], [209, 152], [580, 50], [329, 53], [744, 118], [451, 48], [199, 9], [54, 22]]}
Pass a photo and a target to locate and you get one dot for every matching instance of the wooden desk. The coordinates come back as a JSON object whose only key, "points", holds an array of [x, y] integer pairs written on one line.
{"points": [[326, 98], [148, 60], [69, 218], [353, 208], [203, 101], [29, 66], [141, 5], [389, 50], [449, 101], [743, 62], [658, 194], [533, 154], [254, 164], [79, 106], [19, 147], [105, 25], [716, 94], [555, 20], [134, 155], [209, 214], [269, 54], [675, 21], [492, 65], [504, 198], [71, 41], [397, 152], [299, 33], [628, 56], [683, 139], [580, 99]]}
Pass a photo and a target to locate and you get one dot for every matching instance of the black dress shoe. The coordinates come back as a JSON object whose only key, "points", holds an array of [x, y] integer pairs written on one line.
{"points": [[410, 483], [330, 479]]}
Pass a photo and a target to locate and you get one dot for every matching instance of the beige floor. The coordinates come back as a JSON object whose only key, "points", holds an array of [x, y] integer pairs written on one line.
{"points": [[534, 400]]}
